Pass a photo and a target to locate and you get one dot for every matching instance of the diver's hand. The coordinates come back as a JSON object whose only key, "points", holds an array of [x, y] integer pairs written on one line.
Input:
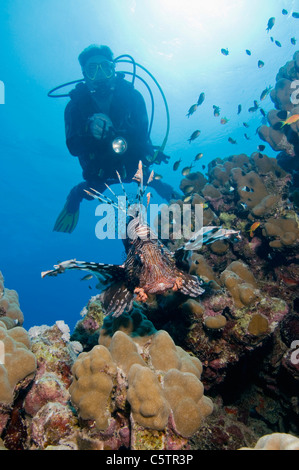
{"points": [[161, 157], [99, 125]]}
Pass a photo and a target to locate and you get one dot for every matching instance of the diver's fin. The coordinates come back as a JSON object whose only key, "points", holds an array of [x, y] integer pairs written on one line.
{"points": [[116, 299], [103, 272], [66, 221]]}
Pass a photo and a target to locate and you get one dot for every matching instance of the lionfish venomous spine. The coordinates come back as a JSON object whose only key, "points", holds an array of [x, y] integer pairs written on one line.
{"points": [[150, 268]]}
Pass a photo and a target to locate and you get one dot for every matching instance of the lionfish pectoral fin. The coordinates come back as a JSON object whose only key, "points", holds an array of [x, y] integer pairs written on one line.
{"points": [[100, 270], [208, 235], [117, 299], [191, 285]]}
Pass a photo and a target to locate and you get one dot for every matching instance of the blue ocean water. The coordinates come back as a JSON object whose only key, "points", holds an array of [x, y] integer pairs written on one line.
{"points": [[179, 42]]}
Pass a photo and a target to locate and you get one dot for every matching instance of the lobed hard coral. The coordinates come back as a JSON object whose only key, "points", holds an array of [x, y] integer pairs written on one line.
{"points": [[157, 379], [18, 364], [10, 312], [240, 283], [282, 232]]}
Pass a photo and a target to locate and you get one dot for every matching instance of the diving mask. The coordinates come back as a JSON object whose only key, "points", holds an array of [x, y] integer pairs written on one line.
{"points": [[97, 71]]}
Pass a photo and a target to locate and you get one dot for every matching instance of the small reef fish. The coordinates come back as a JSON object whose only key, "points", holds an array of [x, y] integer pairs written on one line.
{"points": [[216, 111], [198, 157], [294, 41], [253, 228], [188, 189], [204, 205], [187, 198], [248, 52], [263, 112], [87, 277], [224, 120], [295, 15], [192, 110], [246, 125], [271, 39], [244, 206], [290, 120], [278, 44], [157, 177], [239, 108], [186, 170], [289, 281], [232, 141], [270, 24], [201, 99], [176, 164], [260, 64], [246, 137], [254, 108], [225, 51], [261, 148], [247, 189], [265, 93], [284, 11], [194, 136]]}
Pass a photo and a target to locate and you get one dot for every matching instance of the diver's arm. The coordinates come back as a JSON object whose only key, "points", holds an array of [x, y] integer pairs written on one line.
{"points": [[77, 133]]}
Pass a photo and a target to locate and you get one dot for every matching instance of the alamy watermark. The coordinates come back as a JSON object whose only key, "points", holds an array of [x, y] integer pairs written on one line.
{"points": [[295, 354], [2, 92], [2, 353], [166, 222], [295, 94]]}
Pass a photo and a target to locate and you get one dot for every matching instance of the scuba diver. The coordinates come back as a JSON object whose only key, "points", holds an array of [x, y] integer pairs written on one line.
{"points": [[106, 126]]}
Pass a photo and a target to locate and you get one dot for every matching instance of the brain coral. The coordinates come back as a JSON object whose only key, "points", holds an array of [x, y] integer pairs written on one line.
{"points": [[19, 362], [157, 378]]}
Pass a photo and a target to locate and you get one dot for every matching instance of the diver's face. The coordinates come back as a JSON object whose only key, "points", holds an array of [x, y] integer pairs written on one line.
{"points": [[98, 70]]}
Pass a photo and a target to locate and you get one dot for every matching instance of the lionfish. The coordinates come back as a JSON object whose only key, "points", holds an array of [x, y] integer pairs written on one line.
{"points": [[150, 267]]}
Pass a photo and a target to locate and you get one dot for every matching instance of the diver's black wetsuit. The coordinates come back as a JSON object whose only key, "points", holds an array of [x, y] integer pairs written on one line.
{"points": [[126, 108]]}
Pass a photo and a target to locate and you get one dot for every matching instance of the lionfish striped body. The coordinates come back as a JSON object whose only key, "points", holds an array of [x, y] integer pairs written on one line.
{"points": [[150, 268]]}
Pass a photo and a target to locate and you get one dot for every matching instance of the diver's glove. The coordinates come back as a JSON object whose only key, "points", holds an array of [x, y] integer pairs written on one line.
{"points": [[160, 157], [99, 125]]}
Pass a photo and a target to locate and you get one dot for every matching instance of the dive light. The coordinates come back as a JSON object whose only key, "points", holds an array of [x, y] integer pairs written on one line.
{"points": [[119, 145]]}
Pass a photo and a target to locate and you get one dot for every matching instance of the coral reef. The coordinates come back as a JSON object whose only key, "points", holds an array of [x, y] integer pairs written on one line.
{"points": [[139, 381], [285, 138]]}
